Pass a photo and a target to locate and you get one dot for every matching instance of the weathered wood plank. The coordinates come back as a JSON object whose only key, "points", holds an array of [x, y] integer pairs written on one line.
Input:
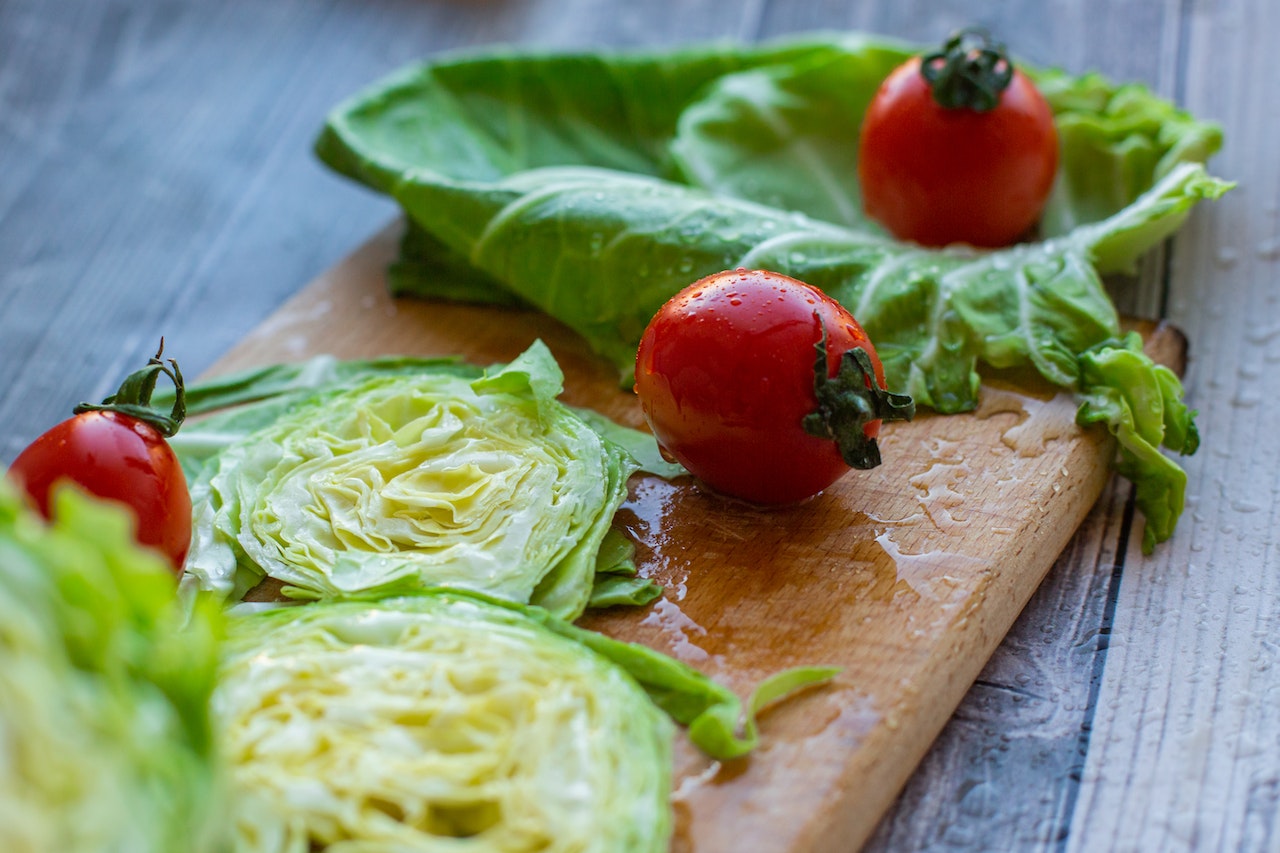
{"points": [[1185, 753], [161, 188], [1004, 772], [158, 177], [158, 180]]}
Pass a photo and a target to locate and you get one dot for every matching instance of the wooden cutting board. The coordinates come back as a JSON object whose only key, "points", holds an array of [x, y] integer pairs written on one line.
{"points": [[907, 576]]}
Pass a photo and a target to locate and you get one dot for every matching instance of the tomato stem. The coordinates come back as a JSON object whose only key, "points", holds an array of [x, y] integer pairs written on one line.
{"points": [[969, 72], [134, 396], [849, 401]]}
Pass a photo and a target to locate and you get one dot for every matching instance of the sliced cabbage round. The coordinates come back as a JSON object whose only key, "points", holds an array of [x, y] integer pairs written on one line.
{"points": [[105, 742], [423, 479], [433, 723]]}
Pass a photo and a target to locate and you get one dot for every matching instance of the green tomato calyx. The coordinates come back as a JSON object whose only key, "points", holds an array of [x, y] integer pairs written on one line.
{"points": [[969, 72], [849, 401]]}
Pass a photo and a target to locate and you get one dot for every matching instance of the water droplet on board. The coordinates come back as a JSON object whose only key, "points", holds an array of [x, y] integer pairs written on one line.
{"points": [[680, 630], [1226, 257], [645, 516], [1040, 421], [1269, 250], [920, 568], [941, 497]]}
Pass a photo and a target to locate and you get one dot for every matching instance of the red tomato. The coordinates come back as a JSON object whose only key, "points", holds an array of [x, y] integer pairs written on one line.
{"points": [[116, 450], [730, 373], [119, 458], [939, 174]]}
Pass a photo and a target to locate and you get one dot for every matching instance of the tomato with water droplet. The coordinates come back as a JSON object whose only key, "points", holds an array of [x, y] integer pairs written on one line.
{"points": [[763, 387]]}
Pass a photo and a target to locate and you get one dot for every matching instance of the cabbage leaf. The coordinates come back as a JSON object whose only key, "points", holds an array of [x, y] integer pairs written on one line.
{"points": [[105, 684], [350, 477], [593, 186], [449, 720]]}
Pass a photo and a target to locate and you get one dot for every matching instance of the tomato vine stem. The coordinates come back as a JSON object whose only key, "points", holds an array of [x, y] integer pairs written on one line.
{"points": [[134, 396]]}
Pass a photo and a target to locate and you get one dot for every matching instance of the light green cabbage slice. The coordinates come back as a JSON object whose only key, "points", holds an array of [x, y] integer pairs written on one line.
{"points": [[400, 480], [436, 723], [454, 721], [105, 738]]}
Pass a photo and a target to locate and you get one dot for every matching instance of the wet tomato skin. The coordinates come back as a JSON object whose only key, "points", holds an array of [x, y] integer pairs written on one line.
{"points": [[725, 376], [937, 175], [120, 458]]}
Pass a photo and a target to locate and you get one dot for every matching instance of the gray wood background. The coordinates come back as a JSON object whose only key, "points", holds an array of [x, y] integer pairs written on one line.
{"points": [[156, 179]]}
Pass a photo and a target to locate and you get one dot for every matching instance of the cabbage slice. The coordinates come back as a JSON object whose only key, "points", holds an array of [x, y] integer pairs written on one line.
{"points": [[436, 722], [105, 737], [449, 720], [403, 479]]}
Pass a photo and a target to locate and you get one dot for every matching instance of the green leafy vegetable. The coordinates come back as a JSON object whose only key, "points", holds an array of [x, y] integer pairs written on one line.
{"points": [[105, 682], [594, 186], [436, 718], [617, 581], [391, 475], [444, 716], [712, 712], [1141, 405]]}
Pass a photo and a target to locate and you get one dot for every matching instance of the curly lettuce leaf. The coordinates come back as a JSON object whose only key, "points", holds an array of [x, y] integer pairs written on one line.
{"points": [[105, 686], [594, 186], [1140, 403]]}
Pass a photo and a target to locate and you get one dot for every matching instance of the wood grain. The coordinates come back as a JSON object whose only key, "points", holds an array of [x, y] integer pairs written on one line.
{"points": [[907, 576], [1185, 753], [157, 180]]}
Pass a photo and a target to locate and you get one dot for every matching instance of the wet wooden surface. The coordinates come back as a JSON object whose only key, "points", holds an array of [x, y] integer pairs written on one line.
{"points": [[905, 576], [155, 178]]}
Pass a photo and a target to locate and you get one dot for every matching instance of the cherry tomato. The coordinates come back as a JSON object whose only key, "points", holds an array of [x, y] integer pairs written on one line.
{"points": [[761, 386], [117, 451], [976, 170], [119, 458]]}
